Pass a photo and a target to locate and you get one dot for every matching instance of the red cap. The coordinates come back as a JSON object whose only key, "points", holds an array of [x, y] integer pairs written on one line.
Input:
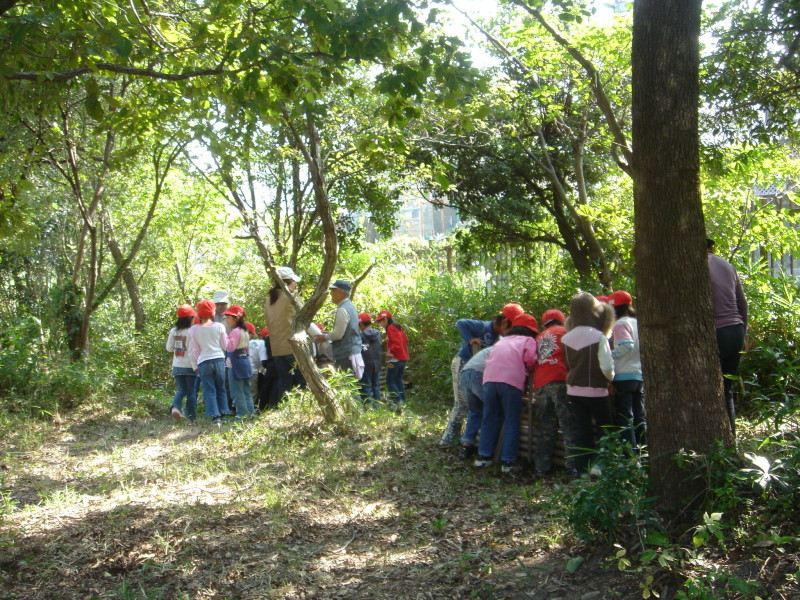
{"points": [[251, 329], [196, 321], [620, 298], [319, 326], [384, 314], [363, 318], [235, 310], [553, 315], [512, 310], [264, 332], [205, 309], [526, 320], [186, 310], [602, 298]]}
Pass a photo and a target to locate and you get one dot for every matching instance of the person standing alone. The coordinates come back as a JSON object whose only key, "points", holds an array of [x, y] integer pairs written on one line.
{"points": [[730, 320]]}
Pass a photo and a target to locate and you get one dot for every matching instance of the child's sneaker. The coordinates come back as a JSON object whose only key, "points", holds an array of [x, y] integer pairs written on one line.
{"points": [[465, 451], [483, 461], [176, 413], [509, 467]]}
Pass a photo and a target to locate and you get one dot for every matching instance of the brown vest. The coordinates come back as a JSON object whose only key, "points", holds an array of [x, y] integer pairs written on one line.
{"points": [[583, 367]]}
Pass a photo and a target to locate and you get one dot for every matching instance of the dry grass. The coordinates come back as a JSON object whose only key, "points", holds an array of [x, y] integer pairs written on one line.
{"points": [[115, 503]]}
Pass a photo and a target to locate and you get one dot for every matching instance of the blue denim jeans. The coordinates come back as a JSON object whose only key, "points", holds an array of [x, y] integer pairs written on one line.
{"points": [[212, 376], [240, 393], [502, 406], [185, 379], [394, 381], [471, 384], [629, 406], [371, 386]]}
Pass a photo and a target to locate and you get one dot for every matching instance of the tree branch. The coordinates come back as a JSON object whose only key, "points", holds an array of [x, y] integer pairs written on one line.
{"points": [[594, 83], [111, 68]]}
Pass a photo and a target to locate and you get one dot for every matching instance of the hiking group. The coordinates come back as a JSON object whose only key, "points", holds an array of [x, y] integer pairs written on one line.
{"points": [[580, 372]]}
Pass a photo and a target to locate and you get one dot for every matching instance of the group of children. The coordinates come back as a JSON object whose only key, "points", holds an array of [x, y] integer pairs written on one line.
{"points": [[204, 348], [212, 354], [396, 358], [570, 364], [573, 365]]}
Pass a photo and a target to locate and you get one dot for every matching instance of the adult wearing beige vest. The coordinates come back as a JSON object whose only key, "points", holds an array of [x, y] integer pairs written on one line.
{"points": [[279, 313]]}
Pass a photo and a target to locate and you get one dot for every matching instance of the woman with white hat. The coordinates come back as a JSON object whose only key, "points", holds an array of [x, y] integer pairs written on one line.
{"points": [[279, 314]]}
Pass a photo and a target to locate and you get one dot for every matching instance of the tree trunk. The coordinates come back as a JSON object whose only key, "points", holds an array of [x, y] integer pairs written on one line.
{"points": [[131, 285], [322, 391], [331, 409], [679, 353]]}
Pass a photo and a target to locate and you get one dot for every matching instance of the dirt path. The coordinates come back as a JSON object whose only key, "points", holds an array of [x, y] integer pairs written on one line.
{"points": [[135, 506]]}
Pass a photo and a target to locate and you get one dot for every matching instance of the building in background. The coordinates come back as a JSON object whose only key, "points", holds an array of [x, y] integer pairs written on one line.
{"points": [[789, 262], [419, 219]]}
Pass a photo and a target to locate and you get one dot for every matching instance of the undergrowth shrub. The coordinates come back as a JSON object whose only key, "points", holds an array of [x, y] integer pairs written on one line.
{"points": [[54, 386], [41, 381], [613, 504], [770, 366]]}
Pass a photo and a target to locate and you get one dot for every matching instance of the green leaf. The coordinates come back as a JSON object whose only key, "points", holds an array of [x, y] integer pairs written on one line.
{"points": [[442, 180], [657, 538], [573, 564], [123, 47], [93, 106]]}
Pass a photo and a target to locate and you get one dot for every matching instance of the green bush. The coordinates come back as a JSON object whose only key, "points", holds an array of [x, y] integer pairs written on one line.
{"points": [[600, 508], [770, 367], [42, 381]]}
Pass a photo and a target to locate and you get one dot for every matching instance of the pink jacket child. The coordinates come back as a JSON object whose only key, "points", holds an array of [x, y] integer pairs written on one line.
{"points": [[504, 380]]}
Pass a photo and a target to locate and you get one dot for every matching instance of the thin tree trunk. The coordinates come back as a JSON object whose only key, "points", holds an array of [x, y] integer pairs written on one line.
{"points": [[679, 353], [329, 404], [131, 285]]}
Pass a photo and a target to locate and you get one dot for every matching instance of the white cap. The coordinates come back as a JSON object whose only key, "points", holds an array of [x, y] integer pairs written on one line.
{"points": [[287, 273], [220, 297]]}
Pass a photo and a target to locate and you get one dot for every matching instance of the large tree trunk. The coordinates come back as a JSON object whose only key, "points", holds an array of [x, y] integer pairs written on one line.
{"points": [[679, 353]]}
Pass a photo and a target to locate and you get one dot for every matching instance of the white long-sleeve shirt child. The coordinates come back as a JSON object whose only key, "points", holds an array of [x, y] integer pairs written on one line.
{"points": [[207, 342]]}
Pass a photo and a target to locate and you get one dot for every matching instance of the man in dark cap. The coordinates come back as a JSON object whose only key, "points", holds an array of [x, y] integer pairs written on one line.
{"points": [[345, 339]]}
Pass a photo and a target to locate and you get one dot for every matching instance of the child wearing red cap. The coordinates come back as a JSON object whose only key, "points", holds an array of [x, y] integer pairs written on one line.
{"points": [[372, 353], [504, 379], [396, 358], [628, 399], [182, 370], [550, 389], [237, 362], [207, 344]]}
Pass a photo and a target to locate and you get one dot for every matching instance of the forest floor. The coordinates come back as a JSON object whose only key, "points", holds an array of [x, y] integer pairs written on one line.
{"points": [[121, 502]]}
